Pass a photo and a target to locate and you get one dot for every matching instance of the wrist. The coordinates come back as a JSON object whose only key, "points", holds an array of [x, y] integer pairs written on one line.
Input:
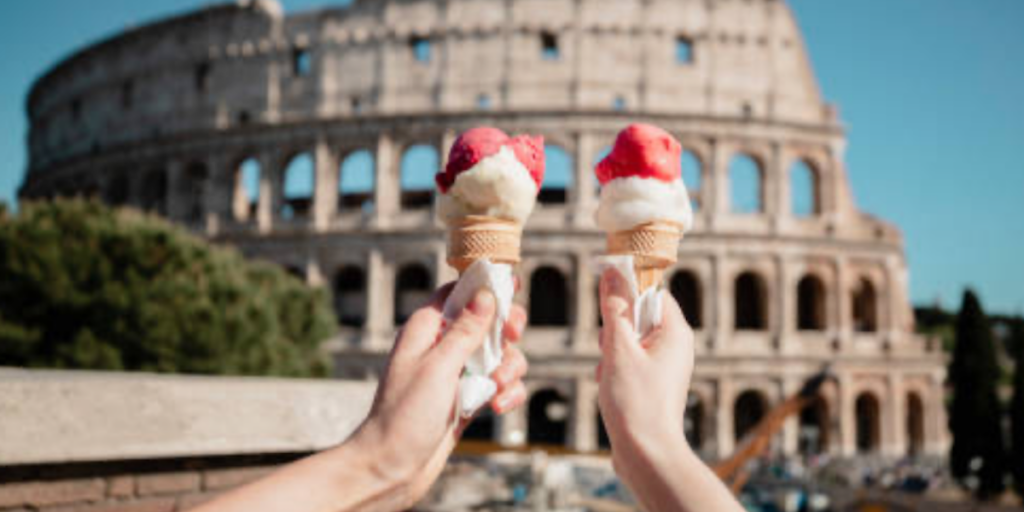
{"points": [[382, 484]]}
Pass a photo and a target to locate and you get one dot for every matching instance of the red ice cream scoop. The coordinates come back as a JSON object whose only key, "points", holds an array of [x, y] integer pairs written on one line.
{"points": [[478, 143], [645, 151]]}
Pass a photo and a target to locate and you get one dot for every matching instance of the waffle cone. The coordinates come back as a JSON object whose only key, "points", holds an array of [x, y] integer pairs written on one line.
{"points": [[654, 247], [476, 237]]}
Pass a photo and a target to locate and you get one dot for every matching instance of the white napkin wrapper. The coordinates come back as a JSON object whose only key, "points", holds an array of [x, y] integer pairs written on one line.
{"points": [[476, 387], [646, 304]]}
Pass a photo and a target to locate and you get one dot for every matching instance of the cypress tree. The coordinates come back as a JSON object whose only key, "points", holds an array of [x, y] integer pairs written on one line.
{"points": [[1017, 407], [976, 457]]}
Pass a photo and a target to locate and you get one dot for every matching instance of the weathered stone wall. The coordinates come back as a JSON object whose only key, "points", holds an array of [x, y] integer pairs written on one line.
{"points": [[87, 441]]}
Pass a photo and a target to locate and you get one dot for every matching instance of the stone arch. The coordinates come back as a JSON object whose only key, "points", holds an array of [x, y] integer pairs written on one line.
{"points": [[694, 421], [865, 306], [413, 284], [549, 297], [693, 176], [604, 442], [750, 297], [915, 423], [119, 189], [748, 409], [298, 182], [685, 287], [483, 427], [814, 427], [548, 420], [746, 184], [805, 189], [350, 296], [558, 175], [810, 300], [356, 180], [868, 422], [246, 189], [191, 191], [154, 191], [420, 163]]}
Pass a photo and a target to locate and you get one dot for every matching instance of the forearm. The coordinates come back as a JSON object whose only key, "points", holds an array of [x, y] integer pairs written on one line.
{"points": [[340, 479], [669, 476]]}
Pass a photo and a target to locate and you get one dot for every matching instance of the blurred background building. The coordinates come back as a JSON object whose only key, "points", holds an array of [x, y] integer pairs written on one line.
{"points": [[311, 140]]}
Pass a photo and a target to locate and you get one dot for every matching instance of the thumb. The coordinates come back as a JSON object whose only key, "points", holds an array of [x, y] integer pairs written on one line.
{"points": [[468, 331], [618, 335], [670, 330]]}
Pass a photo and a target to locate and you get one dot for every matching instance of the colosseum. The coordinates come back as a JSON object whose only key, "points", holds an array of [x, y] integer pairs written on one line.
{"points": [[310, 139]]}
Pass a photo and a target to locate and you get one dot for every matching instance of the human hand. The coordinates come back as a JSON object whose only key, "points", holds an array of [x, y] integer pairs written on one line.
{"points": [[414, 423], [643, 382]]}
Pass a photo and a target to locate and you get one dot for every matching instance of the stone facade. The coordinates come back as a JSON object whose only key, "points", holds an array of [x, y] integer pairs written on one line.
{"points": [[180, 115]]}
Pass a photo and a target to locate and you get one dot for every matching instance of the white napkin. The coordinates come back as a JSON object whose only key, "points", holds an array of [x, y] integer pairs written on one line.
{"points": [[646, 305], [476, 387]]}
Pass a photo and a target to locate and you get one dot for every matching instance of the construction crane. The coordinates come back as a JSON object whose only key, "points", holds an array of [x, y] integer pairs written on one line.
{"points": [[732, 470]]}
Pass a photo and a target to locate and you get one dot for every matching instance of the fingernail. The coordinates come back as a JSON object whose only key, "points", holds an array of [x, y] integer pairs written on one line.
{"points": [[482, 303]]}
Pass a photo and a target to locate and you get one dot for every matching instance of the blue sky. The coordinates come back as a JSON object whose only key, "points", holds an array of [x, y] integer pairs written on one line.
{"points": [[932, 93]]}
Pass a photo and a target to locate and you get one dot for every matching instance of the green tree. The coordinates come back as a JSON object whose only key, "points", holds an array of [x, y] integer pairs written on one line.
{"points": [[87, 286], [976, 457], [1017, 407]]}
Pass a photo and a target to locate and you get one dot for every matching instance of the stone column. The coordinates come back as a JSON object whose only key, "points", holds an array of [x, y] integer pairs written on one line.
{"points": [[791, 428], [270, 191], [847, 420], [842, 300], [936, 440], [583, 419], [783, 190], [586, 304], [894, 416], [773, 178], [584, 192], [175, 203], [217, 195], [380, 300], [325, 185], [512, 427], [725, 435], [783, 325], [386, 193], [719, 183], [720, 314]]}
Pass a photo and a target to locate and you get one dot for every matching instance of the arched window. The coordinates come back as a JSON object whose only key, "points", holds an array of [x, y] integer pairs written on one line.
{"points": [[299, 181], [814, 427], [482, 426], [693, 421], [412, 290], [154, 191], [247, 189], [686, 290], [117, 191], [810, 300], [865, 307], [868, 423], [558, 171], [350, 296], [693, 176], [804, 190], [915, 424], [750, 407], [603, 441], [549, 298], [192, 191], [746, 190], [750, 302], [419, 165], [548, 418], [355, 185]]}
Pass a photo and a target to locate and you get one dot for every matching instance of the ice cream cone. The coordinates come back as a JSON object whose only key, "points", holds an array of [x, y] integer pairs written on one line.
{"points": [[654, 247], [476, 237]]}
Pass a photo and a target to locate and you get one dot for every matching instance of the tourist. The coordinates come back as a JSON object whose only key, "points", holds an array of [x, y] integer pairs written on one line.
{"points": [[396, 455]]}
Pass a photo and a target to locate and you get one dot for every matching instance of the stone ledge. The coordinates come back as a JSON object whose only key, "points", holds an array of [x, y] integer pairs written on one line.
{"points": [[71, 416]]}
